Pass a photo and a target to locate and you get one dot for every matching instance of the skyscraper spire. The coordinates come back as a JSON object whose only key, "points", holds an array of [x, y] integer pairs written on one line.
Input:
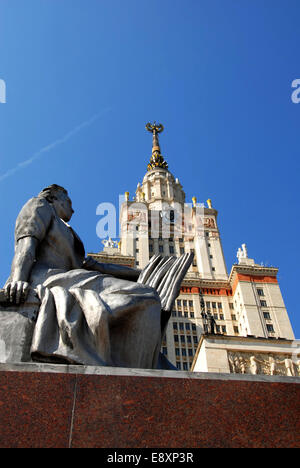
{"points": [[157, 160]]}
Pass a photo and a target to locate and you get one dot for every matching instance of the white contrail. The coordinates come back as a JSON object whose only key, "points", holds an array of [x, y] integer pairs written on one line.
{"points": [[53, 145]]}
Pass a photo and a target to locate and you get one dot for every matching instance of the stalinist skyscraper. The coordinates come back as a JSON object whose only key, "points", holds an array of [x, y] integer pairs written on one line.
{"points": [[235, 308]]}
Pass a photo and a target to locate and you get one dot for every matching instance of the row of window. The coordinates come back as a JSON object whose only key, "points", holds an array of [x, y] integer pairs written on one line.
{"points": [[185, 339], [218, 316], [170, 249], [184, 352], [184, 325], [184, 303], [184, 366], [213, 305], [185, 314]]}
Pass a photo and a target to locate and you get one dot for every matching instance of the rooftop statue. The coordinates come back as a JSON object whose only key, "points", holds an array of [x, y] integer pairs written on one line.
{"points": [[110, 243], [90, 313]]}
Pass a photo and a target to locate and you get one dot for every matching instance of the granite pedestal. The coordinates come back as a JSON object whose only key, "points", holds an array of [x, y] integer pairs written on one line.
{"points": [[43, 405]]}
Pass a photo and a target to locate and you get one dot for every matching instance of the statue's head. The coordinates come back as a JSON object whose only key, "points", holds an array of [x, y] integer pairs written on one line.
{"points": [[59, 198]]}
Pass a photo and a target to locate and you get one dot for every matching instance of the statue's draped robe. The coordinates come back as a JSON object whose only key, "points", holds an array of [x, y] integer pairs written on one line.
{"points": [[85, 317]]}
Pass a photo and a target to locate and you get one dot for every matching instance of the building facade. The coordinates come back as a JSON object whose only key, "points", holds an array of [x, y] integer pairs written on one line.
{"points": [[246, 302]]}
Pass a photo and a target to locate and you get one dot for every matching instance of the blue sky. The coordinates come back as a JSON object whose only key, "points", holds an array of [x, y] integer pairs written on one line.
{"points": [[84, 76]]}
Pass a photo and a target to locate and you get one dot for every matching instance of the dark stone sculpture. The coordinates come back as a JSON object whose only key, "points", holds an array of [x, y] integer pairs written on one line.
{"points": [[211, 324], [71, 309]]}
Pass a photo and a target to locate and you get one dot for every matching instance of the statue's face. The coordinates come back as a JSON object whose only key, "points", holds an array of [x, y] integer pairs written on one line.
{"points": [[63, 205]]}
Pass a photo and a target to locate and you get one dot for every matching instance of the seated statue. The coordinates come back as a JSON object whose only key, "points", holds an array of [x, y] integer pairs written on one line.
{"points": [[90, 313]]}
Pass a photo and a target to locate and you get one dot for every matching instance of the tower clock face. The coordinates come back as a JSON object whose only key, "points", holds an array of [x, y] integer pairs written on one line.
{"points": [[168, 216]]}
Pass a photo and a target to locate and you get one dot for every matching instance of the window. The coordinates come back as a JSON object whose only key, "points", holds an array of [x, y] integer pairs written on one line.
{"points": [[179, 302], [150, 248], [236, 329], [176, 338], [221, 317], [213, 269], [190, 351], [178, 365], [177, 351], [137, 250], [260, 292], [173, 313], [183, 352], [220, 305], [161, 248], [230, 305], [184, 303], [195, 339], [180, 325], [171, 249], [181, 250], [267, 316], [193, 326], [270, 328], [211, 256], [224, 329], [214, 305], [187, 326], [182, 338], [185, 366], [165, 350], [189, 339], [192, 314], [263, 303], [175, 326], [191, 303], [233, 317]]}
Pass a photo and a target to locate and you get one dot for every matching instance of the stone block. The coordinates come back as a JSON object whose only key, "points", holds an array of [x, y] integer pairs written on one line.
{"points": [[43, 405], [16, 329]]}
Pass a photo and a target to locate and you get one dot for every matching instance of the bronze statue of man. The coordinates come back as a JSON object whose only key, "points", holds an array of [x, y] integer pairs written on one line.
{"points": [[90, 313]]}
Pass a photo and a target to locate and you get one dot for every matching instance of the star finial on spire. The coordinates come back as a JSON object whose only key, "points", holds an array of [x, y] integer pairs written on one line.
{"points": [[157, 159]]}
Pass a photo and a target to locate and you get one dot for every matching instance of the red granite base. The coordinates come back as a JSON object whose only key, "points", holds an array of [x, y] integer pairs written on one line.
{"points": [[40, 409]]}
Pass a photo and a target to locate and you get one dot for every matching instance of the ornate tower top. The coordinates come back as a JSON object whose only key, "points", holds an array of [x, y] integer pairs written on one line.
{"points": [[157, 160]]}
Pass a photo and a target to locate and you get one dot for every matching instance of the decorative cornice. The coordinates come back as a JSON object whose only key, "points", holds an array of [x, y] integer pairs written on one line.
{"points": [[252, 270]]}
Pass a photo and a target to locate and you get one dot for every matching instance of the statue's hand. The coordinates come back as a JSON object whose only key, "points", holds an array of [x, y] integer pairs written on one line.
{"points": [[16, 291]]}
